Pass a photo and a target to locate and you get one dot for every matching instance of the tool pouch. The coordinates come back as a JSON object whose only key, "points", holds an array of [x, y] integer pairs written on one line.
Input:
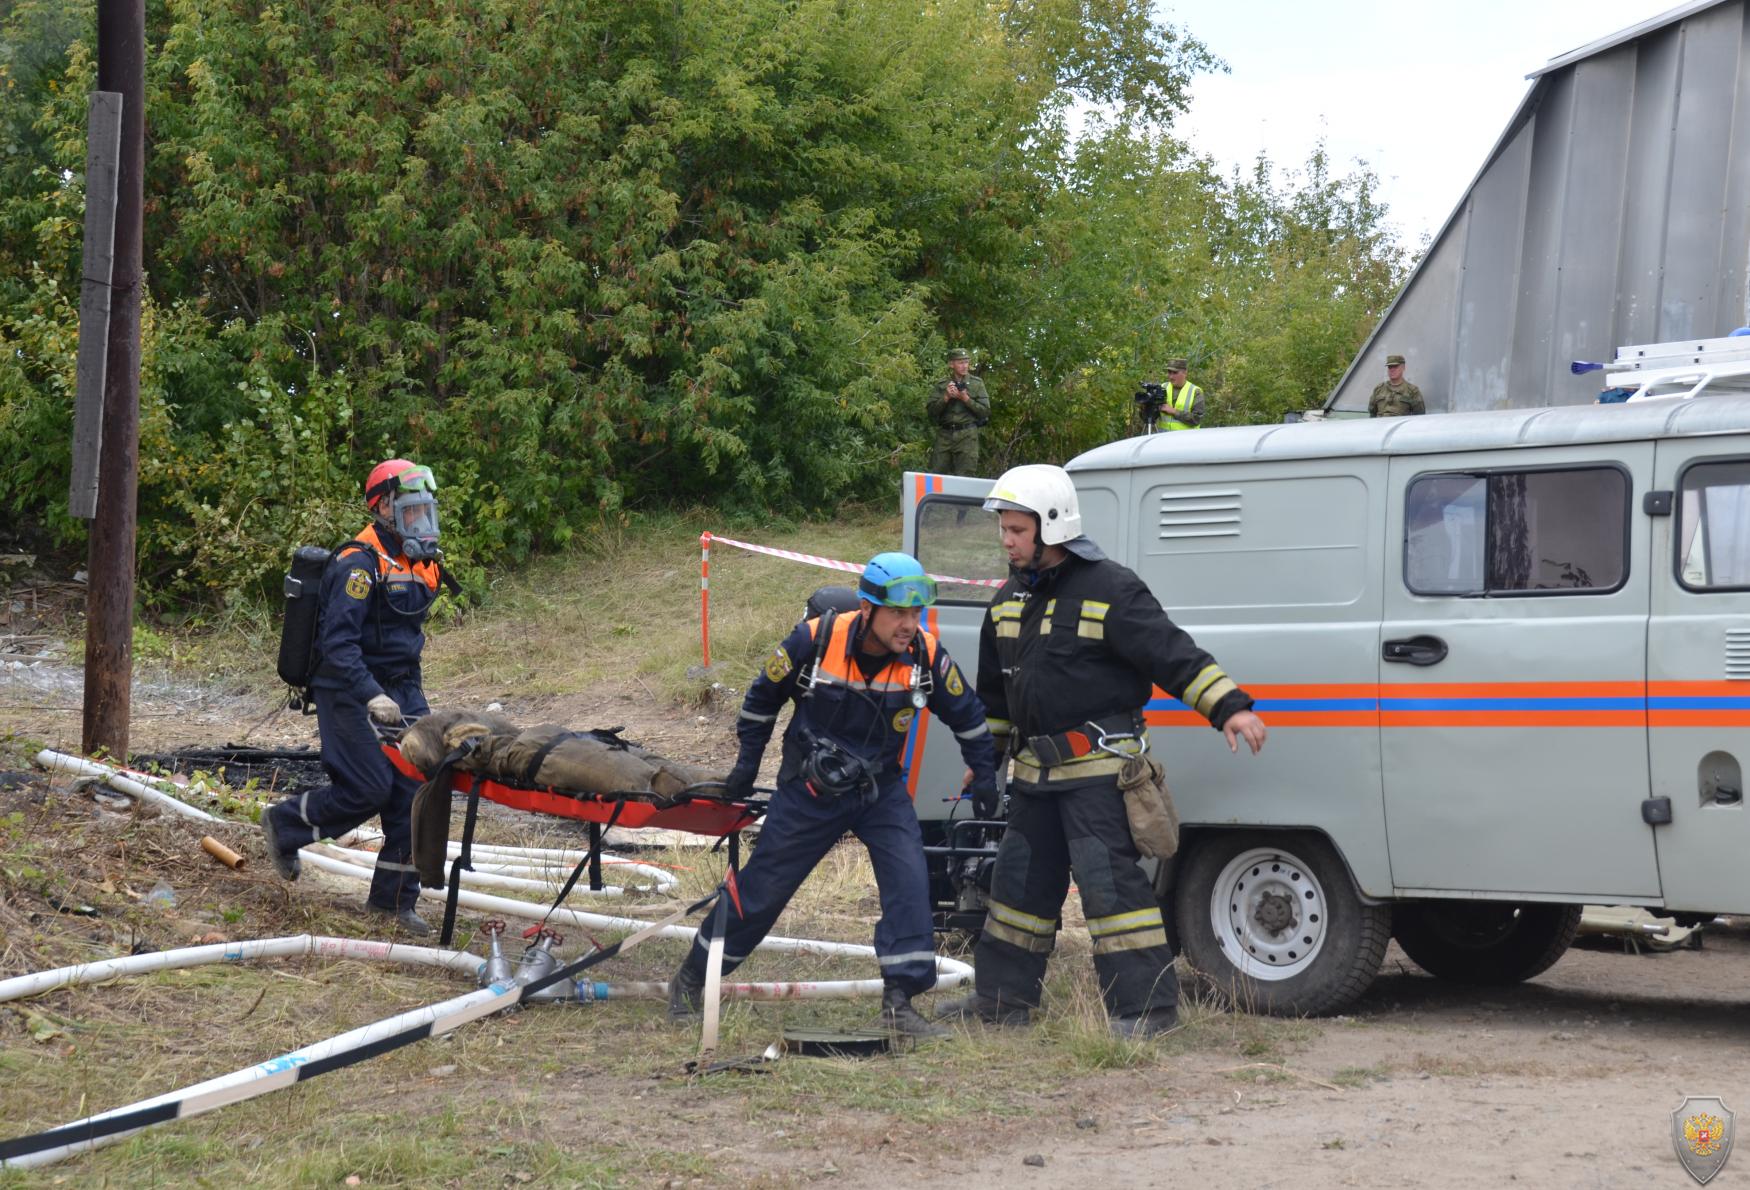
{"points": [[1154, 823]]}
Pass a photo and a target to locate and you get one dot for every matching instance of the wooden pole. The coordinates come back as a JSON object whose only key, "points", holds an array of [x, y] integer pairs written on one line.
{"points": [[109, 605], [102, 154]]}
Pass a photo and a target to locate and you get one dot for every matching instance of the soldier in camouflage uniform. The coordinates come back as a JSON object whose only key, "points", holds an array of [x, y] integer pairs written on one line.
{"points": [[1397, 397], [958, 406]]}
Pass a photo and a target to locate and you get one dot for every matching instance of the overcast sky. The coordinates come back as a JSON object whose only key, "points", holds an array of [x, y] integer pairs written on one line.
{"points": [[1419, 91]]}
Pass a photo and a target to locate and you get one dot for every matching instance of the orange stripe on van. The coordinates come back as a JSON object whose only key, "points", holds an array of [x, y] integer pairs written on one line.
{"points": [[1698, 689], [1698, 718]]}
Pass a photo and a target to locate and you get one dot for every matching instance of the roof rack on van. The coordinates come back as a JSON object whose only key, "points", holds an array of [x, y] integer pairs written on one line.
{"points": [[1683, 369]]}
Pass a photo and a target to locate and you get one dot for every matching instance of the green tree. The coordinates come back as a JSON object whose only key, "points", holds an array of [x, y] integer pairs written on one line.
{"points": [[582, 257]]}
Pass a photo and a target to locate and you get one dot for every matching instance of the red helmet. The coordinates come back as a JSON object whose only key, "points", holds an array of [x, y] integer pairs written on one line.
{"points": [[403, 496], [382, 483]]}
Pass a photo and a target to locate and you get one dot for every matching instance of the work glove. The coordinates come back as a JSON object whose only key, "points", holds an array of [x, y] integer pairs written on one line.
{"points": [[985, 802], [738, 786], [385, 710]]}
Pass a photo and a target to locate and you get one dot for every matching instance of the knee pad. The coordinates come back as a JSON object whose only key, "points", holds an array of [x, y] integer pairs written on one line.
{"points": [[1092, 861], [1008, 880]]}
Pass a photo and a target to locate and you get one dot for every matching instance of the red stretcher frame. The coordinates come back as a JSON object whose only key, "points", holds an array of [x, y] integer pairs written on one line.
{"points": [[700, 817]]}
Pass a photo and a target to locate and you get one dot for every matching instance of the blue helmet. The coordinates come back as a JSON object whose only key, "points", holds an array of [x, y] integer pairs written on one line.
{"points": [[896, 580]]}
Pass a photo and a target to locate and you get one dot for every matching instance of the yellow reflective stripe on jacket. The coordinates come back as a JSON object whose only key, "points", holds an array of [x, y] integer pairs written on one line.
{"points": [[1207, 690], [999, 727], [1045, 620], [1093, 623], [1007, 617]]}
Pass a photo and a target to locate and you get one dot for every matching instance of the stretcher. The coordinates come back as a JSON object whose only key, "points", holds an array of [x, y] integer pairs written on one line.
{"points": [[698, 813], [694, 814]]}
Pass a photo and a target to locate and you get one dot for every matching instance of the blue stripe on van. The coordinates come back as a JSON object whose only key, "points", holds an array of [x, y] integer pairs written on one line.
{"points": [[1699, 704]]}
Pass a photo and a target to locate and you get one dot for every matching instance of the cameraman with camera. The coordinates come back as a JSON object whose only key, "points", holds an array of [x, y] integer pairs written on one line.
{"points": [[1179, 395], [958, 407]]}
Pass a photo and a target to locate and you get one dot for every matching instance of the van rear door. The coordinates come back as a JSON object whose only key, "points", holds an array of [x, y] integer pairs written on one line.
{"points": [[1698, 679], [1513, 673], [947, 529]]}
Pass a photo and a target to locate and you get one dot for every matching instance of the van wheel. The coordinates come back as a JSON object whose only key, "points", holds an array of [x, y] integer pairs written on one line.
{"points": [[1485, 942], [1273, 922]]}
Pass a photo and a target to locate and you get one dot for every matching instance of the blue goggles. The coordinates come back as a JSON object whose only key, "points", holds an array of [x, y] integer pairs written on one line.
{"points": [[910, 590]]}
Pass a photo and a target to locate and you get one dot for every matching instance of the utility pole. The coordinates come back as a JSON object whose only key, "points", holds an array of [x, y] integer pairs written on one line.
{"points": [[109, 600]]}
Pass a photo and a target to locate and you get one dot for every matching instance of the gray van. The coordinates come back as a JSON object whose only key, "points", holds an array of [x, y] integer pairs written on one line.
{"points": [[1504, 658]]}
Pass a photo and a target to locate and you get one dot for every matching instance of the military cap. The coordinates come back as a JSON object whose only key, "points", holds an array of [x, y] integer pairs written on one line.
{"points": [[1394, 361], [1176, 365], [959, 353]]}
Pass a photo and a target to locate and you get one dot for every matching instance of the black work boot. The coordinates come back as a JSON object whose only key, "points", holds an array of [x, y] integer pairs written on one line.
{"points": [[898, 1015], [978, 1007], [686, 993], [1141, 1026], [407, 919], [285, 859]]}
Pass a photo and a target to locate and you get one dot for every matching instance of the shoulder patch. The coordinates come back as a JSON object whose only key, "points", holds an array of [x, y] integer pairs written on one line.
{"points": [[952, 682], [778, 665], [358, 583]]}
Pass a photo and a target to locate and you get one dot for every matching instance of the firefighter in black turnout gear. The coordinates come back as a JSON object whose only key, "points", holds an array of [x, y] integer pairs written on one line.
{"points": [[1067, 655], [859, 679], [374, 598]]}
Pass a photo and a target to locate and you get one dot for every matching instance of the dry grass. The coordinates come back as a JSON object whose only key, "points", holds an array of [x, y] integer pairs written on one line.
{"points": [[588, 1095], [585, 1095]]}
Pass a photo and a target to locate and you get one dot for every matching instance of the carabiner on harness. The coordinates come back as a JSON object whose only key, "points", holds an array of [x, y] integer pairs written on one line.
{"points": [[1104, 740]]}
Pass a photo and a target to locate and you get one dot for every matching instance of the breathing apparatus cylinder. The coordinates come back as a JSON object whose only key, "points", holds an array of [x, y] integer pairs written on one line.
{"points": [[303, 591]]}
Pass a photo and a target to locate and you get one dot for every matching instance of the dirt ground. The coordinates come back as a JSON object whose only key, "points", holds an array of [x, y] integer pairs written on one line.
{"points": [[1569, 1080]]}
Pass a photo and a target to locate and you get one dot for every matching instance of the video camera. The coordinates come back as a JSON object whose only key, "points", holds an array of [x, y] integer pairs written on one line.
{"points": [[1151, 398]]}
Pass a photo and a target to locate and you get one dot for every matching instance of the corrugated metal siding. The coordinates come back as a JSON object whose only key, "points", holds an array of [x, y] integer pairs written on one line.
{"points": [[1615, 209]]}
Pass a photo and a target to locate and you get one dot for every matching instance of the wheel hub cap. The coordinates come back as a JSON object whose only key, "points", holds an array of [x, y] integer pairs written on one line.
{"points": [[1269, 915]]}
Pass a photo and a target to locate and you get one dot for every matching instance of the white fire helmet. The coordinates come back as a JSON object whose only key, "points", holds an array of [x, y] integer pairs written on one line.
{"points": [[1045, 491]]}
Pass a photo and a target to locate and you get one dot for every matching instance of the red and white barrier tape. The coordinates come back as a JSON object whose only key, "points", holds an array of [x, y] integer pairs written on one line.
{"points": [[836, 564]]}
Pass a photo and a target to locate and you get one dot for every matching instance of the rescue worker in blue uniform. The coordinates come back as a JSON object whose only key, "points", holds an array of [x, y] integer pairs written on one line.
{"points": [[374, 599], [1067, 656], [858, 680]]}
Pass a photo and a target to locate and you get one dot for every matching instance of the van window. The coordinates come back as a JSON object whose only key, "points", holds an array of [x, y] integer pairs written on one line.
{"points": [[1514, 532], [1713, 517], [959, 538]]}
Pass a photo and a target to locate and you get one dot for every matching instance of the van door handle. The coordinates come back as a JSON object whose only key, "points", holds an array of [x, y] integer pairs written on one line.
{"points": [[1417, 650]]}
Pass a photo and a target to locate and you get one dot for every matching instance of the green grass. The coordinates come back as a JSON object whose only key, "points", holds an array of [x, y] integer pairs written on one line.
{"points": [[626, 606]]}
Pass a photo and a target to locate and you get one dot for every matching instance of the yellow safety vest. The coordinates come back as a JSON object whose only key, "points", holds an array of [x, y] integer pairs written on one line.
{"points": [[1181, 402]]}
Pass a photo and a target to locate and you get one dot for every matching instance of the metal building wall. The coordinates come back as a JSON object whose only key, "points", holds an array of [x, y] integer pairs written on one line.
{"points": [[1614, 209]]}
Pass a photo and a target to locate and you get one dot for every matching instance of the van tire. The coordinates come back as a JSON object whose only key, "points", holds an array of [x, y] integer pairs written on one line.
{"points": [[1324, 954], [1485, 942]]}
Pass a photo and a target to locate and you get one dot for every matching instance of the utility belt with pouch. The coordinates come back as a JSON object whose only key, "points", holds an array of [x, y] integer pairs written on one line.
{"points": [[1097, 748], [1154, 821]]}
